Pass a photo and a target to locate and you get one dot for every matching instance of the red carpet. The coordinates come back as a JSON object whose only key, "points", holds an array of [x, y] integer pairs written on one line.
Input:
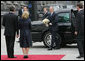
{"points": [[34, 57]]}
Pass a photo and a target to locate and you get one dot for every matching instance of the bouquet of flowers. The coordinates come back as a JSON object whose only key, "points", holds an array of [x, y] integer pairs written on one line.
{"points": [[46, 21]]}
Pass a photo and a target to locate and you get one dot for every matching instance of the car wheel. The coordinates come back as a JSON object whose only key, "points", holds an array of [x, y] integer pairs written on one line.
{"points": [[47, 39]]}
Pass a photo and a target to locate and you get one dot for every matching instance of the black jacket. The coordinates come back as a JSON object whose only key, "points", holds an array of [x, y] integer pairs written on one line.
{"points": [[10, 22], [53, 19], [45, 15], [80, 22], [20, 12]]}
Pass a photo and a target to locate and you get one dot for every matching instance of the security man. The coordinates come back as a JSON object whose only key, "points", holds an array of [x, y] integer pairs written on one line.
{"points": [[79, 29], [45, 13]]}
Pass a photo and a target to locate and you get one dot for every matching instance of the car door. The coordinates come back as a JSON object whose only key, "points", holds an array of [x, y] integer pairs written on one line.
{"points": [[65, 28]]}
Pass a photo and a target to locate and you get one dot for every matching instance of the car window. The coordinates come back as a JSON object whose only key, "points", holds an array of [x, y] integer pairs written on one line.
{"points": [[63, 17]]}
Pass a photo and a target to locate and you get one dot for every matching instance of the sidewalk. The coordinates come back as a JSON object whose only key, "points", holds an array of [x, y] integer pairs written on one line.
{"points": [[39, 49]]}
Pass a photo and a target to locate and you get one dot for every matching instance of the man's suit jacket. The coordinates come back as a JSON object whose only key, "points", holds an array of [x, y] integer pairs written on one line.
{"points": [[53, 19], [10, 22], [45, 15], [80, 22], [20, 12]]}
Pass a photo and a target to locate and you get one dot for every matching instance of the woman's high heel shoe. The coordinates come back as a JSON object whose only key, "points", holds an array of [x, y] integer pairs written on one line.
{"points": [[26, 56]]}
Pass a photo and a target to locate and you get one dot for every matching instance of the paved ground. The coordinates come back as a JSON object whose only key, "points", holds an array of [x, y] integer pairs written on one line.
{"points": [[70, 51]]}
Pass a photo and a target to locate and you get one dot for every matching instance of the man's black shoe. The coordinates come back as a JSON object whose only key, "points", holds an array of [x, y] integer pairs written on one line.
{"points": [[80, 57]]}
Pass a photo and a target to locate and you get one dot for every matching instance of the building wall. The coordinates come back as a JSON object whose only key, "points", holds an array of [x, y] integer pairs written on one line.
{"points": [[82, 2], [37, 6], [6, 4], [41, 4]]}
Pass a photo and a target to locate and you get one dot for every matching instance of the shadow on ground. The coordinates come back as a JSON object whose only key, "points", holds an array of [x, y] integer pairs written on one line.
{"points": [[42, 46]]}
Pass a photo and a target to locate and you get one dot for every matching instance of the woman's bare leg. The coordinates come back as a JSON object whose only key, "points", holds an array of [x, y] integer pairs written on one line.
{"points": [[24, 51], [27, 49]]}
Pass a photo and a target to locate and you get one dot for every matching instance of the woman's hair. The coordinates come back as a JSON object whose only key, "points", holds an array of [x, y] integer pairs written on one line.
{"points": [[25, 15]]}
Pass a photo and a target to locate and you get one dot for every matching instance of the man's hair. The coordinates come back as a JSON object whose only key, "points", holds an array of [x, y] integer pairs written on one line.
{"points": [[26, 7], [52, 7], [80, 5], [12, 8], [45, 7]]}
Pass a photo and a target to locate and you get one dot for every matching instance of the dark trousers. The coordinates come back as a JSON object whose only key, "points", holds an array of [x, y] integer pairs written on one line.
{"points": [[54, 39], [80, 43], [10, 45]]}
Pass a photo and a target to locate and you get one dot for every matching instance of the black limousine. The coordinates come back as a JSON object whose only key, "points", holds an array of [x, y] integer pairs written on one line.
{"points": [[66, 23]]}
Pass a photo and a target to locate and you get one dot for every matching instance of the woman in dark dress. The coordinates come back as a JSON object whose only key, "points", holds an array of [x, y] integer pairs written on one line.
{"points": [[25, 34]]}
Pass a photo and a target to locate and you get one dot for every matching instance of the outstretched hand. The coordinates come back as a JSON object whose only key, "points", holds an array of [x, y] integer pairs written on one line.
{"points": [[50, 23], [17, 36]]}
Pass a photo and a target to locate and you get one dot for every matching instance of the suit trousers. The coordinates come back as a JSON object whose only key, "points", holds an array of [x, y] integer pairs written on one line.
{"points": [[10, 45], [54, 39], [80, 43]]}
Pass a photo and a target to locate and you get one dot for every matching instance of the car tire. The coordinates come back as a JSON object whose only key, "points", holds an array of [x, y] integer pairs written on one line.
{"points": [[47, 39]]}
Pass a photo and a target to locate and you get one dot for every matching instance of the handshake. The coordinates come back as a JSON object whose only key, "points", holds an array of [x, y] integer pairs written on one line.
{"points": [[46, 22]]}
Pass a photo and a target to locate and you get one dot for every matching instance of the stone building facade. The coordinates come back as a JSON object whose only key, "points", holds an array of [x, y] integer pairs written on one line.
{"points": [[36, 6], [6, 4]]}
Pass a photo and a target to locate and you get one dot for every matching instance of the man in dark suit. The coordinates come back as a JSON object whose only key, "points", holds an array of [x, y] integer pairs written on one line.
{"points": [[20, 11], [53, 27], [45, 13], [23, 8], [10, 22], [79, 29]]}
